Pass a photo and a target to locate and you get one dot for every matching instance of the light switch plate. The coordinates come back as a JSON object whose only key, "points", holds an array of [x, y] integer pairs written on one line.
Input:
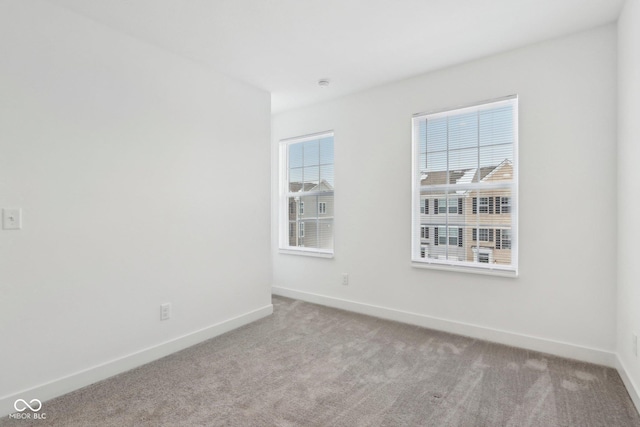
{"points": [[12, 218]]}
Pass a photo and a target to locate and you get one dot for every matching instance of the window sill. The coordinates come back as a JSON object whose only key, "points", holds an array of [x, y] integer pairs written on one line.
{"points": [[513, 273], [307, 252]]}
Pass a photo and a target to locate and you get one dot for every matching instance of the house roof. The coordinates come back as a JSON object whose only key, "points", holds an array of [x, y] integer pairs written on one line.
{"points": [[323, 185], [461, 176], [456, 176]]}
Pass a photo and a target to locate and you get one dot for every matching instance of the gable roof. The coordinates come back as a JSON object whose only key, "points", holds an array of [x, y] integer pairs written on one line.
{"points": [[462, 176], [457, 176], [323, 185]]}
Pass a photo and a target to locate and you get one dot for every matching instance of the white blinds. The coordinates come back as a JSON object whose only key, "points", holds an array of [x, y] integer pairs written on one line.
{"points": [[307, 205], [465, 187]]}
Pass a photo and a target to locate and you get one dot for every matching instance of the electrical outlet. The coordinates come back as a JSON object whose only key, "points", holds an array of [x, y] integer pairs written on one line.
{"points": [[345, 279], [165, 311], [12, 218]]}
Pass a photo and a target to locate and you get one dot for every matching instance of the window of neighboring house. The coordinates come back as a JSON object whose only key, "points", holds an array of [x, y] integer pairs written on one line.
{"points": [[423, 251], [483, 204], [306, 176], [424, 206], [469, 157], [483, 234], [450, 235], [424, 232], [503, 239], [505, 205], [451, 207]]}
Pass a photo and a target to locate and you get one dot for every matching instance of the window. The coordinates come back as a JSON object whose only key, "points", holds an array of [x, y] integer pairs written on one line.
{"points": [[466, 161], [505, 205], [448, 235], [483, 234], [454, 206], [503, 239], [424, 232], [424, 207], [483, 204], [306, 177]]}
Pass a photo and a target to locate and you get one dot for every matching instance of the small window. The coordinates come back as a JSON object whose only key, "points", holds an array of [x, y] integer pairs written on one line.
{"points": [[483, 204], [483, 258], [505, 205], [452, 237], [483, 234], [424, 232], [307, 181], [449, 207], [506, 239], [424, 206]]}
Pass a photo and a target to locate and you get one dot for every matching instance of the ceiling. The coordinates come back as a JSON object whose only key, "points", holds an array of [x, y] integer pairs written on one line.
{"points": [[286, 46]]}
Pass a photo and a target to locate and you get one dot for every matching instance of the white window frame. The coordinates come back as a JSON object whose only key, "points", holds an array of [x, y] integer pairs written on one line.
{"points": [[322, 208], [439, 261], [285, 194]]}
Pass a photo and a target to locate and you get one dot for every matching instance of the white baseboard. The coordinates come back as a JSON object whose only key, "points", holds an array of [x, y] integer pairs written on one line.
{"points": [[557, 348], [100, 372], [632, 389]]}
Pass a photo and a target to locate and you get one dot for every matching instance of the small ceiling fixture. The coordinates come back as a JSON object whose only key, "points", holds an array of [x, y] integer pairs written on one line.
{"points": [[323, 82]]}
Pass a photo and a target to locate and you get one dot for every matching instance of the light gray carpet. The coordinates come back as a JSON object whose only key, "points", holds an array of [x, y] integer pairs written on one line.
{"points": [[309, 365]]}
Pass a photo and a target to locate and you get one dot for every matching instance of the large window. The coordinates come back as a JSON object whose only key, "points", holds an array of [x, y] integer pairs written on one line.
{"points": [[466, 160], [307, 186]]}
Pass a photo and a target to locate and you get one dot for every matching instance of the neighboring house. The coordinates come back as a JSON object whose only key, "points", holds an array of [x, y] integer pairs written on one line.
{"points": [[311, 216], [467, 225]]}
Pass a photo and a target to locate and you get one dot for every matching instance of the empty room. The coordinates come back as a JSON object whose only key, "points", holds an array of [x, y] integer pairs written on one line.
{"points": [[319, 213]]}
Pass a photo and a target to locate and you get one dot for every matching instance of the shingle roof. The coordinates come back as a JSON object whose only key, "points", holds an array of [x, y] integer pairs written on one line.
{"points": [[440, 177], [294, 187]]}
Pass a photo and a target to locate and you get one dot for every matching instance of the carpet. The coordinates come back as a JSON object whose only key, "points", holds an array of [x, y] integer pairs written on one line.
{"points": [[309, 365]]}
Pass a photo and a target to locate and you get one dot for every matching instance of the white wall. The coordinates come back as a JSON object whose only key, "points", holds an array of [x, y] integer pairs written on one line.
{"points": [[564, 300], [629, 188], [132, 167]]}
